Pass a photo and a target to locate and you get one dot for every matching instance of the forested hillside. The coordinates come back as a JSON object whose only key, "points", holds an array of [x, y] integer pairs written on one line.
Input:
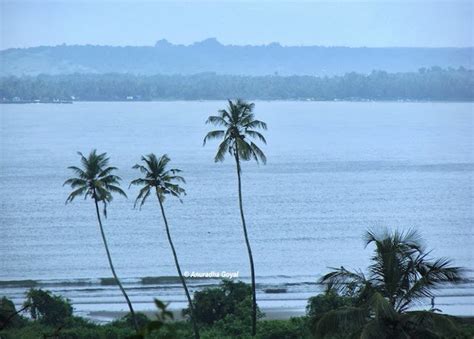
{"points": [[211, 56]]}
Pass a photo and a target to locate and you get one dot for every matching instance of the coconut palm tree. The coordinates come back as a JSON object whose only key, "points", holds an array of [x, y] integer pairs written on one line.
{"points": [[239, 128], [162, 181], [95, 180], [400, 275]]}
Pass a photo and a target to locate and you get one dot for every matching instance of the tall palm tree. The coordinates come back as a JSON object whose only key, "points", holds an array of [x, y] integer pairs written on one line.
{"points": [[239, 128], [400, 275], [162, 181], [95, 180]]}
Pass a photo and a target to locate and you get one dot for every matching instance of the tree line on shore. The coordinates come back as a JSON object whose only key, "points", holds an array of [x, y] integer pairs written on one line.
{"points": [[372, 305], [428, 84]]}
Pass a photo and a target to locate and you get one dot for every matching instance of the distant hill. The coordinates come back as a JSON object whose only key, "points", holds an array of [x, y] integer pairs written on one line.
{"points": [[211, 56]]}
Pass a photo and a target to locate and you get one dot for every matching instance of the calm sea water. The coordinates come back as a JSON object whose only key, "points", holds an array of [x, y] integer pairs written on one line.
{"points": [[334, 170]]}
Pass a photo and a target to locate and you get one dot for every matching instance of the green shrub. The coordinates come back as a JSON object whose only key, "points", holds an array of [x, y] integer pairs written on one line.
{"points": [[8, 316], [228, 299], [47, 308], [32, 329], [73, 322], [327, 301], [127, 321], [101, 332], [231, 327], [295, 328]]}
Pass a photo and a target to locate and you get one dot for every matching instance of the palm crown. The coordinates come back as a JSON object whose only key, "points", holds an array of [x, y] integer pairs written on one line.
{"points": [[400, 271], [240, 126], [95, 179], [156, 175]]}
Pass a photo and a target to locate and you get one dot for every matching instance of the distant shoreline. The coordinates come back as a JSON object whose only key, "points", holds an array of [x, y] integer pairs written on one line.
{"points": [[433, 84], [28, 102]]}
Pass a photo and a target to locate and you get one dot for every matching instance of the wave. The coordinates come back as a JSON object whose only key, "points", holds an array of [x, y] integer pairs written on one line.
{"points": [[274, 281]]}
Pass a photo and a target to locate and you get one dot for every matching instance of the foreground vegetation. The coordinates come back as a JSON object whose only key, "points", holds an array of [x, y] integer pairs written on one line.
{"points": [[354, 305], [434, 84]]}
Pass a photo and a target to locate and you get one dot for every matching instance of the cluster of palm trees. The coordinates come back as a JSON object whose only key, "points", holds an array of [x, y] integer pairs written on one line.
{"points": [[400, 273], [95, 179]]}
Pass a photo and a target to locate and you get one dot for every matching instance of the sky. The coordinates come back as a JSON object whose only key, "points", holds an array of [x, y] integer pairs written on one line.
{"points": [[423, 23]]}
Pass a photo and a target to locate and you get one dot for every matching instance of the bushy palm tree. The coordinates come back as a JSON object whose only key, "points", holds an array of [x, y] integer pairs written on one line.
{"points": [[95, 180], [160, 180], [400, 275], [239, 128]]}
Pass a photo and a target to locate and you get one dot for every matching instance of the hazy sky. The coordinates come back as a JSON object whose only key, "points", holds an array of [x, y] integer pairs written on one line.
{"points": [[349, 23]]}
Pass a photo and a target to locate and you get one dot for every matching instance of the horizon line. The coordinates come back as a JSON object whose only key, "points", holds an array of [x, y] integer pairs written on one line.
{"points": [[214, 41]]}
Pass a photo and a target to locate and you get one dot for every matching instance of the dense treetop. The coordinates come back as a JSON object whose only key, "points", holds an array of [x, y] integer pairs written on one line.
{"points": [[433, 84]]}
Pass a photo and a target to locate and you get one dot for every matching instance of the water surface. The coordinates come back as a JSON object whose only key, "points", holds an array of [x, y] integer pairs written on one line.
{"points": [[334, 170]]}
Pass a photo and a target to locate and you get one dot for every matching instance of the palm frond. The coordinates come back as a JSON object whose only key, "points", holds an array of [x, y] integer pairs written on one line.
{"points": [[244, 149], [213, 135], [439, 324], [341, 279], [106, 172], [75, 182], [258, 153], [139, 181], [116, 189], [78, 192], [256, 124], [382, 308], [218, 120], [143, 194], [79, 172], [341, 320], [256, 135], [176, 178], [95, 178], [223, 148], [239, 121], [158, 177]]}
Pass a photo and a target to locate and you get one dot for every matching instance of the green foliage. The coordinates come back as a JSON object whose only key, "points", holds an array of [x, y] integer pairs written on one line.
{"points": [[9, 318], [295, 328], [267, 329], [48, 308], [427, 84], [158, 326], [230, 301], [127, 321], [400, 274], [35, 330], [327, 301], [94, 179], [240, 128], [400, 271], [156, 177]]}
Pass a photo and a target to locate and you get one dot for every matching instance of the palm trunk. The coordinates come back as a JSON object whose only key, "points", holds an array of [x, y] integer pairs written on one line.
{"points": [[135, 324], [249, 250], [183, 282]]}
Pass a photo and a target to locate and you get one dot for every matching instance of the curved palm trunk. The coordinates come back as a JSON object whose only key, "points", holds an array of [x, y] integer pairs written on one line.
{"points": [[249, 250], [183, 282], [135, 324]]}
